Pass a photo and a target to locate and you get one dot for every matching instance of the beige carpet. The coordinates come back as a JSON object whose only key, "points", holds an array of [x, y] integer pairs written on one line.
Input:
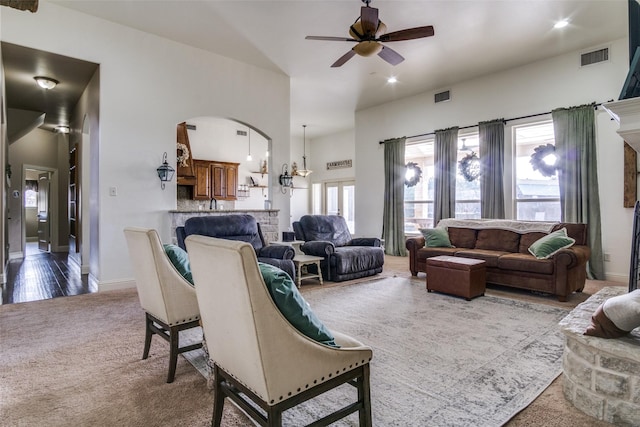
{"points": [[75, 361]]}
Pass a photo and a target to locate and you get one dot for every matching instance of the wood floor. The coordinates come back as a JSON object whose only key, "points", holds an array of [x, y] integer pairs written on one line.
{"points": [[43, 275]]}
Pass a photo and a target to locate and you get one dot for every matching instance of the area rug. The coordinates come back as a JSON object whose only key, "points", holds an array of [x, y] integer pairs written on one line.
{"points": [[439, 360]]}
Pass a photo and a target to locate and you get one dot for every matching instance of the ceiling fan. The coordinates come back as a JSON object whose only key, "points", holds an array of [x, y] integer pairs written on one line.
{"points": [[368, 32]]}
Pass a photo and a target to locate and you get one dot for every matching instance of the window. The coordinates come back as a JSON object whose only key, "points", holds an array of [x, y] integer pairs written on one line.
{"points": [[467, 192], [537, 197], [31, 193], [418, 200]]}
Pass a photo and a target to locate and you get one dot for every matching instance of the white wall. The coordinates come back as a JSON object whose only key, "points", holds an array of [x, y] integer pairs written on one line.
{"points": [[535, 88], [147, 85]]}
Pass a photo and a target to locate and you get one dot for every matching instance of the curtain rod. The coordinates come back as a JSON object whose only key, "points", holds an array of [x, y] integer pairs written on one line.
{"points": [[505, 120]]}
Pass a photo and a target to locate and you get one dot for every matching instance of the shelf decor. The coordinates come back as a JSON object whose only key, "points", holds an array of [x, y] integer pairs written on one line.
{"points": [[469, 166], [544, 160]]}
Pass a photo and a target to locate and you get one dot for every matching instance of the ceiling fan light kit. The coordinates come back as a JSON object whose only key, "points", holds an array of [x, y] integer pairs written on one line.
{"points": [[369, 33]]}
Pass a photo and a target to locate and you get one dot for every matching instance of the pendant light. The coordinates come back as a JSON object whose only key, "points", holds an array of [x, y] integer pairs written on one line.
{"points": [[304, 171], [249, 158]]}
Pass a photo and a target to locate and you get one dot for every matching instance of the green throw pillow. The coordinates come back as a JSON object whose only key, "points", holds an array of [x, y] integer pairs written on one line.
{"points": [[548, 245], [436, 238], [292, 305], [180, 261]]}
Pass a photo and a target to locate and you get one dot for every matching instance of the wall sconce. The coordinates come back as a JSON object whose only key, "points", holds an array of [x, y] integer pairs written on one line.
{"points": [[286, 180], [165, 172]]}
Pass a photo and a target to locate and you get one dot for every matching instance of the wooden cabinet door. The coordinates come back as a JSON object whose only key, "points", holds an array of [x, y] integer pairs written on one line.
{"points": [[218, 177], [202, 188], [231, 180]]}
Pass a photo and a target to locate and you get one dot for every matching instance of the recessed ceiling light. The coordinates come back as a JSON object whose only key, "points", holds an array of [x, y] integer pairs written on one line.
{"points": [[392, 79], [46, 82], [561, 24], [62, 129]]}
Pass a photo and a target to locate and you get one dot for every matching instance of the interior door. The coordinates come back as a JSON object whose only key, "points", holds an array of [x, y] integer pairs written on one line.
{"points": [[339, 199], [44, 234]]}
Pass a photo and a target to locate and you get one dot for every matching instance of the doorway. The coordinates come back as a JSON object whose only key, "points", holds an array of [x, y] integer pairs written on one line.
{"points": [[38, 212], [339, 199]]}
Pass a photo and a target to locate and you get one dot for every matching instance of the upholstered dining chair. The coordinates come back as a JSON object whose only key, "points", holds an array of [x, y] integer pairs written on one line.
{"points": [[168, 299], [257, 355]]}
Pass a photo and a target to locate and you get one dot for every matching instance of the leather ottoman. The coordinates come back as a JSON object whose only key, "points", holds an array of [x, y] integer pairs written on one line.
{"points": [[463, 277]]}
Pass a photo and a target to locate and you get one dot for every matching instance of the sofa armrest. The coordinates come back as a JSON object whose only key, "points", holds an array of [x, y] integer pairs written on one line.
{"points": [[573, 256], [320, 248], [414, 243], [276, 251], [365, 241]]}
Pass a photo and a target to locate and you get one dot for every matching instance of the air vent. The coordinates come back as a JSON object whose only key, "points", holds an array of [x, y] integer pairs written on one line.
{"points": [[600, 55], [241, 132], [191, 127], [442, 96]]}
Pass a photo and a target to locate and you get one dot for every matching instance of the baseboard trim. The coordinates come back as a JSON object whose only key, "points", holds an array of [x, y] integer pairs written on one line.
{"points": [[617, 278], [16, 255], [113, 285]]}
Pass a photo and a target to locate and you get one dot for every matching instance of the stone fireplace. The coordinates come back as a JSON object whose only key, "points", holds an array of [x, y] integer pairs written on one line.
{"points": [[601, 377]]}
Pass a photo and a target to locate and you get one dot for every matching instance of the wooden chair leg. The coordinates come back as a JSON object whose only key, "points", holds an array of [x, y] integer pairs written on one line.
{"points": [[173, 353], [364, 396], [147, 337], [274, 417], [218, 403]]}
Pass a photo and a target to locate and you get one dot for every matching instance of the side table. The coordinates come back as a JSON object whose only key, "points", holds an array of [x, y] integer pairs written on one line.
{"points": [[295, 244], [301, 261]]}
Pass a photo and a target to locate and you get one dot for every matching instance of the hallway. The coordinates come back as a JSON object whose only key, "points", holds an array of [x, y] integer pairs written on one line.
{"points": [[42, 275]]}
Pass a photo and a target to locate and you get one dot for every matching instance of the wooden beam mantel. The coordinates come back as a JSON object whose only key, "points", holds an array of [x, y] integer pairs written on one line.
{"points": [[30, 5], [630, 176]]}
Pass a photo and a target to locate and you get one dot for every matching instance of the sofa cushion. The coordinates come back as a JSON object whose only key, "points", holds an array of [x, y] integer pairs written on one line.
{"points": [[436, 238], [490, 257], [352, 259], [462, 237], [425, 253], [528, 239], [575, 231], [548, 245], [180, 261], [230, 227], [526, 263], [330, 228], [498, 240], [293, 306], [616, 317]]}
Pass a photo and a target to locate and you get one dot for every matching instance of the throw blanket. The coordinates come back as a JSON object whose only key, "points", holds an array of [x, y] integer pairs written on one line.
{"points": [[504, 224]]}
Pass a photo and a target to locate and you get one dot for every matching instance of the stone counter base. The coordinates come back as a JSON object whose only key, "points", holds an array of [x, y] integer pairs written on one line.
{"points": [[601, 377]]}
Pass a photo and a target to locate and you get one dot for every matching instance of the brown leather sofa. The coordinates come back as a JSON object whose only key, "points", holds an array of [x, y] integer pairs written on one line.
{"points": [[508, 261]]}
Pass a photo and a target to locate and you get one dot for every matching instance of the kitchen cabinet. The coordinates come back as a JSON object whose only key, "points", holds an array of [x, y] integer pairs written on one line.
{"points": [[215, 180]]}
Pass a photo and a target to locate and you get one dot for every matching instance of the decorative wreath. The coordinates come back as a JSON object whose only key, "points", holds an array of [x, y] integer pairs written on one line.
{"points": [[413, 173], [183, 155], [470, 166], [538, 160]]}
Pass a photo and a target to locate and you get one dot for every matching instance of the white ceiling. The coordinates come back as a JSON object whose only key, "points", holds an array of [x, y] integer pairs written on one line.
{"points": [[472, 38]]}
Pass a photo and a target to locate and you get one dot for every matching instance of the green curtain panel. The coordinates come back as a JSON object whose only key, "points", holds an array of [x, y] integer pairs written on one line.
{"points": [[574, 130], [491, 168], [445, 156], [393, 217]]}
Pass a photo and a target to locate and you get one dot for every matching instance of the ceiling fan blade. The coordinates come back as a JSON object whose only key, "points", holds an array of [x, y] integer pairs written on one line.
{"points": [[369, 20], [329, 38], [390, 55], [408, 34], [344, 58]]}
